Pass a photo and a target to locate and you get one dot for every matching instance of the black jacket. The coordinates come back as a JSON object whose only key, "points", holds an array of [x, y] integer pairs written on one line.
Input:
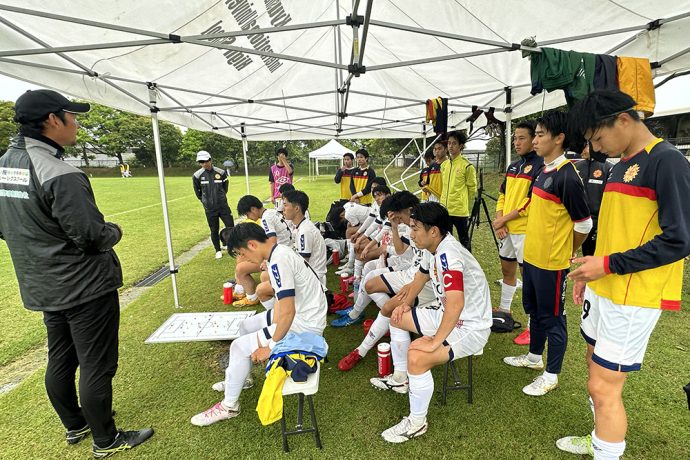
{"points": [[594, 175], [61, 247], [211, 187]]}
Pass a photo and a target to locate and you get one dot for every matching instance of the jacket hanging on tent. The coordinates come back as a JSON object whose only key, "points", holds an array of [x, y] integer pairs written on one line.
{"points": [[437, 114], [635, 79]]}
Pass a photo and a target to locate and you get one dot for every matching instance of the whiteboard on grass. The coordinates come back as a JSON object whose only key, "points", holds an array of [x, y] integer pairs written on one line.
{"points": [[199, 327]]}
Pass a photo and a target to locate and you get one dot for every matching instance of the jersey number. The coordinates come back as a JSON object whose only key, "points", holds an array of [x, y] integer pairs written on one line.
{"points": [[585, 309]]}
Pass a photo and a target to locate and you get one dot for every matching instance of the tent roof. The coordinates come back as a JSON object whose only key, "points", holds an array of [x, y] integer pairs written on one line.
{"points": [[279, 69], [333, 150]]}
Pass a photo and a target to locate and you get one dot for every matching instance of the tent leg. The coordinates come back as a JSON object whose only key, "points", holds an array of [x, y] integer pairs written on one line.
{"points": [[164, 199], [509, 127], [244, 153]]}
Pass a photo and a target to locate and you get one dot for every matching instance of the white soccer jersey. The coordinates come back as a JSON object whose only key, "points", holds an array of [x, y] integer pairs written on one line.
{"points": [[453, 267], [310, 244], [355, 213], [371, 218], [415, 258], [290, 276], [274, 224]]}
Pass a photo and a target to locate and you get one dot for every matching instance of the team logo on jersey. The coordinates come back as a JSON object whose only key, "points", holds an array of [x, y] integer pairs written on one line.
{"points": [[631, 173], [365, 173], [444, 262], [548, 182], [265, 224], [597, 173], [301, 242], [527, 169], [217, 176], [276, 275]]}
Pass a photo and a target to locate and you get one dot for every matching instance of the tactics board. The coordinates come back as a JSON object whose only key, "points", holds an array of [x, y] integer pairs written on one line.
{"points": [[197, 327]]}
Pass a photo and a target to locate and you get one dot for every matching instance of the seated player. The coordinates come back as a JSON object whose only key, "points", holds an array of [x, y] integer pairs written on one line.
{"points": [[355, 214], [459, 326], [283, 189], [276, 229], [366, 247], [300, 307]]}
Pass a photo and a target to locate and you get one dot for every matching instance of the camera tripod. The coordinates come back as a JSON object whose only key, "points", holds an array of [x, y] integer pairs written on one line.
{"points": [[475, 217]]}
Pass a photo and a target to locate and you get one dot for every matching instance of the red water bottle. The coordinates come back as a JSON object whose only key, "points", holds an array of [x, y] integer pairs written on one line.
{"points": [[343, 283], [367, 325], [384, 355], [227, 293], [336, 257]]}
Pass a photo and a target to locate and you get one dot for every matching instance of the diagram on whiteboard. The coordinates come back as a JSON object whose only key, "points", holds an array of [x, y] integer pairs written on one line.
{"points": [[196, 327]]}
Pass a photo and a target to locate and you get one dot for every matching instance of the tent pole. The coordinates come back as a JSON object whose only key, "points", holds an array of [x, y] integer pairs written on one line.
{"points": [[508, 128], [421, 160], [164, 198], [244, 153]]}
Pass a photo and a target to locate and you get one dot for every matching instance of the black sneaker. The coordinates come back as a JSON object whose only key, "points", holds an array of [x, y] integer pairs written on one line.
{"points": [[124, 440], [75, 436]]}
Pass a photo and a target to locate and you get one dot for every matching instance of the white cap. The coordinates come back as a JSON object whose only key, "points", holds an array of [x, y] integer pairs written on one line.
{"points": [[203, 155]]}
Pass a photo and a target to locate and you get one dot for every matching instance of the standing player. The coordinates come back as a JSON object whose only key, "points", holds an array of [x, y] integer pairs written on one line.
{"points": [[362, 177], [459, 326], [343, 176], [281, 172], [637, 267], [511, 213], [459, 179], [300, 307], [276, 229], [558, 224], [211, 187]]}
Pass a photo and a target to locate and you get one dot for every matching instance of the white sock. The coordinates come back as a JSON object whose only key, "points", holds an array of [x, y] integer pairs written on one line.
{"points": [[252, 297], [377, 330], [604, 450], [421, 391], [400, 342], [350, 254], [533, 358], [269, 304], [359, 264], [363, 298], [507, 293], [253, 323], [549, 377], [380, 298], [239, 366]]}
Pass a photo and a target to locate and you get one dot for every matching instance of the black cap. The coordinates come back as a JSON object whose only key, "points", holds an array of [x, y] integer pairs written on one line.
{"points": [[37, 104]]}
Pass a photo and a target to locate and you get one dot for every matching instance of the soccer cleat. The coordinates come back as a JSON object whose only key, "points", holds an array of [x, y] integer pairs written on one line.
{"points": [[580, 445], [346, 269], [518, 283], [523, 338], [539, 387], [523, 361], [219, 254], [76, 436], [387, 383], [124, 440], [245, 303], [345, 320], [215, 413], [350, 280], [344, 311], [238, 296], [220, 386], [404, 431], [349, 361]]}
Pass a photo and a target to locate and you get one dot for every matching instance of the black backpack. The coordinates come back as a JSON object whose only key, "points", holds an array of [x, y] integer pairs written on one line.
{"points": [[503, 322]]}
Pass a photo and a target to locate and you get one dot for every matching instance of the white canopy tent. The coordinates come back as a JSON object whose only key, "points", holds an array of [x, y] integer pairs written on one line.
{"points": [[288, 69], [333, 150]]}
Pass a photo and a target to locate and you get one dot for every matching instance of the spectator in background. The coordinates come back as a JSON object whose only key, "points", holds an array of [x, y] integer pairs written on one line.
{"points": [[459, 185], [594, 175], [280, 173], [211, 187], [362, 177], [432, 186], [343, 176]]}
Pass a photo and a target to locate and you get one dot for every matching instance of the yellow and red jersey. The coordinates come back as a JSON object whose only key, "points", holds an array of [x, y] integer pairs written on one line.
{"points": [[430, 177], [344, 178], [644, 228], [515, 190], [557, 201], [361, 182]]}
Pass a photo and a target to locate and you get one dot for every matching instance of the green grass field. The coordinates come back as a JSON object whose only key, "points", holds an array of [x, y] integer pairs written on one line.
{"points": [[164, 385]]}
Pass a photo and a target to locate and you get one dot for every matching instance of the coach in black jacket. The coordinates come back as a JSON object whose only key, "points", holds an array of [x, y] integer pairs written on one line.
{"points": [[62, 251], [211, 186]]}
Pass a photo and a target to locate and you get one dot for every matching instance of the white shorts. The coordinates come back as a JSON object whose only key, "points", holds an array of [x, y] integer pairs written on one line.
{"points": [[395, 281], [462, 341], [512, 247], [618, 333]]}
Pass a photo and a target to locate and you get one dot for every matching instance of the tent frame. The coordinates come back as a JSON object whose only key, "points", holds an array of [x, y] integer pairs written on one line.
{"points": [[318, 123]]}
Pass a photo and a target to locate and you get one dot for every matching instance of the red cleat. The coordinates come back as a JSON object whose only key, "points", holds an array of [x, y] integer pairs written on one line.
{"points": [[523, 338], [349, 361]]}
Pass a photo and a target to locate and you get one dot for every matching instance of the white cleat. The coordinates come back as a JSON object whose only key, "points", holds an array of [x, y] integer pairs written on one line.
{"points": [[214, 414], [219, 254], [539, 387], [387, 383], [404, 431], [220, 386], [523, 361], [518, 284], [580, 445]]}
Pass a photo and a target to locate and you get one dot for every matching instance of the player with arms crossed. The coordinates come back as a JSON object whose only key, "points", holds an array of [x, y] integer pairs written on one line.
{"points": [[458, 327]]}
